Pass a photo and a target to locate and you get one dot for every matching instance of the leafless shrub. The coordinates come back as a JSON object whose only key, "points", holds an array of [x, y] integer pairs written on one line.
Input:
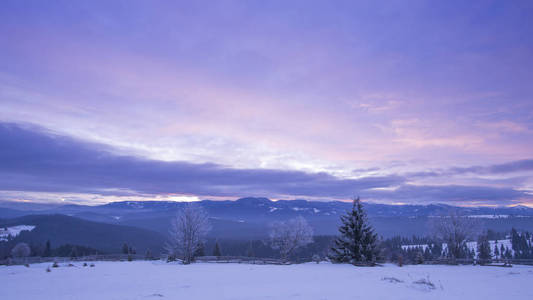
{"points": [[426, 283]]}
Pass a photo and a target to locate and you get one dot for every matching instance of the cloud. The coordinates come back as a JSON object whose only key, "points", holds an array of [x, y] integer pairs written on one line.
{"points": [[459, 194], [34, 159]]}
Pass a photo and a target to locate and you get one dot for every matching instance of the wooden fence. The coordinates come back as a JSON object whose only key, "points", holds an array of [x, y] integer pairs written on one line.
{"points": [[469, 261], [241, 259], [126, 257], [233, 259]]}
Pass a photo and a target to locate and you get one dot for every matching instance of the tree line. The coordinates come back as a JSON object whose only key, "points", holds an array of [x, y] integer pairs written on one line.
{"points": [[294, 240]]}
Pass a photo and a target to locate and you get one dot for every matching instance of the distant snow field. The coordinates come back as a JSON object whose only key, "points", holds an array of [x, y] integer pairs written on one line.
{"points": [[13, 231], [159, 280]]}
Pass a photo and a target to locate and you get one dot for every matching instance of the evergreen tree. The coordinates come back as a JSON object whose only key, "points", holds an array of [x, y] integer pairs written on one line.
{"points": [[47, 250], [508, 253], [250, 251], [217, 251], [419, 258], [496, 251], [436, 250], [74, 252], [149, 255], [125, 249], [358, 242], [483, 248]]}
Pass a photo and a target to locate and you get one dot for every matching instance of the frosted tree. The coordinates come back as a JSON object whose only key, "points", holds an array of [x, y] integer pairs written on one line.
{"points": [[21, 250], [455, 231], [187, 233], [357, 242], [483, 249], [287, 236]]}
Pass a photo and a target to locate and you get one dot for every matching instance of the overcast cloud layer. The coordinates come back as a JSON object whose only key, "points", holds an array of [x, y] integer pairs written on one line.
{"points": [[39, 161]]}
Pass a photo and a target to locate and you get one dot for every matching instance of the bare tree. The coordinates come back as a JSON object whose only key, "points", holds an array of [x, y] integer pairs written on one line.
{"points": [[289, 235], [21, 250], [455, 231], [187, 232]]}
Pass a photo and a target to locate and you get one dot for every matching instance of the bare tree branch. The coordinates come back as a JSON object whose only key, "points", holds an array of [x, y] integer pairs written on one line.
{"points": [[187, 231], [289, 235]]}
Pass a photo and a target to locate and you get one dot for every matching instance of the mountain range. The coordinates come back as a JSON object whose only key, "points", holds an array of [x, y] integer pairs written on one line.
{"points": [[248, 218]]}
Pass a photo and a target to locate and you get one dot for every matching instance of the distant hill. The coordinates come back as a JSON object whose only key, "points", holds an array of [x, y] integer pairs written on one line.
{"points": [[250, 217], [61, 229]]}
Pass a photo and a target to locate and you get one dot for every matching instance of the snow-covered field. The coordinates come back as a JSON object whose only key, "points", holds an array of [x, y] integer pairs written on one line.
{"points": [[13, 231], [159, 280]]}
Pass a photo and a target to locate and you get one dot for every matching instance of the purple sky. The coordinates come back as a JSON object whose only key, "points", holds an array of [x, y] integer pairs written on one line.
{"points": [[398, 102]]}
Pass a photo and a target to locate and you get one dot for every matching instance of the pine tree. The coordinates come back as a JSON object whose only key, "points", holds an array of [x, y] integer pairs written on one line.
{"points": [[217, 251], [125, 249], [358, 242], [496, 251], [74, 252], [483, 248], [148, 255], [250, 251], [47, 250], [419, 258]]}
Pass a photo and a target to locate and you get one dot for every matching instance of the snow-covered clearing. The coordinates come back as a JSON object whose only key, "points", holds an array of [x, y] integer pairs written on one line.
{"points": [[13, 231], [472, 246], [159, 280]]}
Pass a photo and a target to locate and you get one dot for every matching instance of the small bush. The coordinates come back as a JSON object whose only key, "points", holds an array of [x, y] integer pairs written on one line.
{"points": [[70, 265], [55, 265], [316, 258], [400, 261], [85, 264], [48, 270], [27, 265], [392, 279], [92, 265], [425, 282]]}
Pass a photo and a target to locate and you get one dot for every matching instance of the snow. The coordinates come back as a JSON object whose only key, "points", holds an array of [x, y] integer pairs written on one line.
{"points": [[14, 231], [471, 245], [159, 280], [423, 246], [489, 216]]}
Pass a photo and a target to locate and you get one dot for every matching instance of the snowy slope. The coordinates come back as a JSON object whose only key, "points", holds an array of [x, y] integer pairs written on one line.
{"points": [[158, 280], [13, 231]]}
